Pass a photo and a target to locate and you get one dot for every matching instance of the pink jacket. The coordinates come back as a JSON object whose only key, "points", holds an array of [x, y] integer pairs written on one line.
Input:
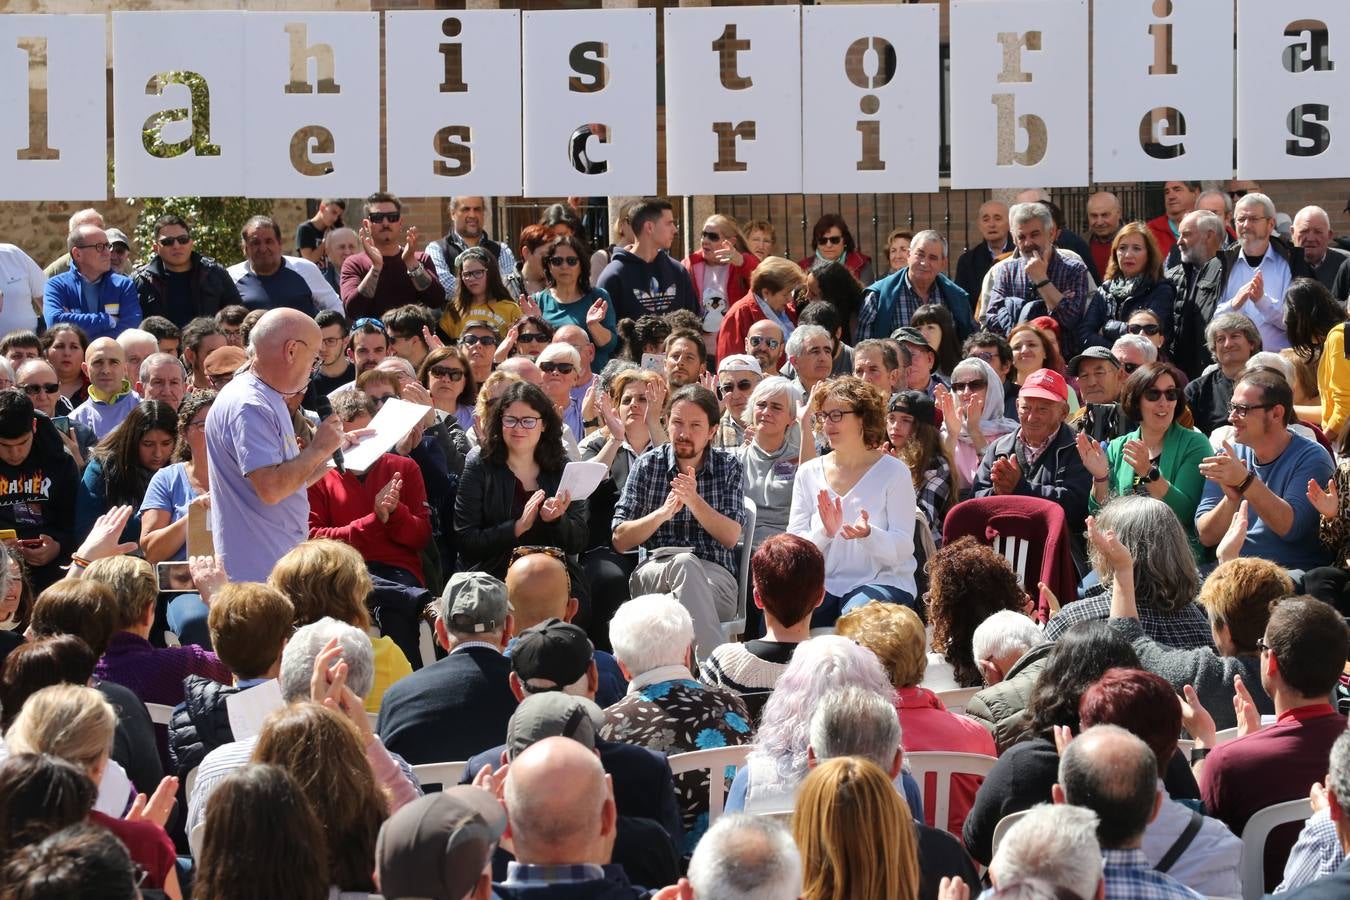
{"points": [[925, 724]]}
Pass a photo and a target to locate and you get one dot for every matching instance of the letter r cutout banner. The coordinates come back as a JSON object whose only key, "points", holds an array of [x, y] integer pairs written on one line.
{"points": [[1019, 93], [590, 115], [733, 100]]}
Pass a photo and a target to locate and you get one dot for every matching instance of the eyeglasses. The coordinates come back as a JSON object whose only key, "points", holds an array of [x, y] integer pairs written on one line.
{"points": [[384, 216], [563, 260], [831, 239], [33, 390], [1130, 367], [1150, 329], [727, 387], [219, 381], [771, 343], [712, 236], [1240, 410], [103, 247], [314, 367], [470, 340], [975, 384], [380, 401], [1243, 220], [373, 323], [473, 273], [531, 338], [170, 239], [1261, 644], [1153, 395], [835, 415], [529, 423], [444, 372], [562, 368]]}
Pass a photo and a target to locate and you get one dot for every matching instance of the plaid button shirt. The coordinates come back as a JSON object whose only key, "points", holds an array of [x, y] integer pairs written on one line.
{"points": [[1186, 629], [719, 483], [1130, 876], [1010, 291], [932, 495], [902, 311]]}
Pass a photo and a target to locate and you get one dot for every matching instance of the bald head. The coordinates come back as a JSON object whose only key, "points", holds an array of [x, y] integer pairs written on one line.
{"points": [[537, 588], [1103, 211], [524, 369], [1033, 195], [1312, 232], [1113, 773], [560, 805], [285, 344], [398, 365]]}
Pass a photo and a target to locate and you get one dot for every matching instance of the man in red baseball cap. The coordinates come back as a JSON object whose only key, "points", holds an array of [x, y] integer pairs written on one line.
{"points": [[1039, 459]]}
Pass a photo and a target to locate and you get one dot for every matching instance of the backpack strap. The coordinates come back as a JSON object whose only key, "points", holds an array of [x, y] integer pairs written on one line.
{"points": [[1182, 842]]}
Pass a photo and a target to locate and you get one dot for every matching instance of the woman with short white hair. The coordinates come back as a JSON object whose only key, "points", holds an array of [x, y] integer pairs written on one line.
{"points": [[769, 459]]}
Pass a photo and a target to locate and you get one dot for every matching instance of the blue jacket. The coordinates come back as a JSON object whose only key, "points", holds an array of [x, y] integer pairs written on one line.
{"points": [[951, 295], [63, 302]]}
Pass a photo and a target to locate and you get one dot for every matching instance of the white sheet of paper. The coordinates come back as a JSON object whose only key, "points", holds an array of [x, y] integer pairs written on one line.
{"points": [[249, 709], [391, 425], [580, 479]]}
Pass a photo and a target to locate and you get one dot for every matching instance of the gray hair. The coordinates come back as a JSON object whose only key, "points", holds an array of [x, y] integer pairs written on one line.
{"points": [[1055, 844], [1165, 576], [1206, 221], [333, 234], [928, 234], [746, 858], [1256, 199], [77, 232], [133, 336], [1232, 321], [1338, 770], [801, 334], [1003, 633], [1212, 192], [7, 371], [1022, 213], [1310, 211], [1271, 360], [650, 631], [852, 721], [776, 386], [611, 371], [1114, 773], [158, 359], [1140, 343], [297, 660]]}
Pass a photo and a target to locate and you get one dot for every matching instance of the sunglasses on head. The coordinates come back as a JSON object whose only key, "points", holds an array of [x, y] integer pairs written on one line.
{"points": [[531, 338], [447, 372], [532, 549], [487, 340], [384, 216], [562, 368], [831, 239], [771, 343], [1149, 329], [563, 260], [170, 239], [1153, 395], [33, 390], [373, 323], [727, 387]]}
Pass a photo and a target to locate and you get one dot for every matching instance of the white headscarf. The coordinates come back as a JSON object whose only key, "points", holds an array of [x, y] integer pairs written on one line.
{"points": [[993, 422]]}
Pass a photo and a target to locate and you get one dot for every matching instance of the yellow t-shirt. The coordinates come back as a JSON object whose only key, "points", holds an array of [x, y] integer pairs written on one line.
{"points": [[1333, 382], [390, 666], [501, 313]]}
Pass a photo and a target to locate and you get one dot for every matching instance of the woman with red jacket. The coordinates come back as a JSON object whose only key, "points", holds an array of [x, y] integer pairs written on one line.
{"points": [[833, 242], [770, 296], [722, 265]]}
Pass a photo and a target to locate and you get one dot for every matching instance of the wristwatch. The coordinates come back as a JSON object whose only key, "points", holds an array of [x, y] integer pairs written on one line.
{"points": [[416, 270], [1151, 476], [1042, 283]]}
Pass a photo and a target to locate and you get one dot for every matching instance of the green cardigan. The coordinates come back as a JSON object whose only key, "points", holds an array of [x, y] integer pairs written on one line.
{"points": [[1180, 465]]}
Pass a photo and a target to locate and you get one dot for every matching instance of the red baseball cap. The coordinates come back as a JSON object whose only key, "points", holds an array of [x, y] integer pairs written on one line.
{"points": [[1045, 384]]}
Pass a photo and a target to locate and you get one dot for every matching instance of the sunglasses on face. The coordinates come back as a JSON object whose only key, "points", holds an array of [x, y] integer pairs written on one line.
{"points": [[1153, 395], [380, 401], [1241, 410], [1149, 329], [831, 239], [529, 423], [470, 340], [1130, 367], [727, 387], [33, 390], [986, 355], [531, 339], [711, 237], [771, 343], [563, 260], [384, 217], [169, 240], [444, 372], [562, 368], [975, 384]]}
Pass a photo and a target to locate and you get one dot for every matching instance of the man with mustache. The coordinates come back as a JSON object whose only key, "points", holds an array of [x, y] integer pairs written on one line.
{"points": [[392, 271]]}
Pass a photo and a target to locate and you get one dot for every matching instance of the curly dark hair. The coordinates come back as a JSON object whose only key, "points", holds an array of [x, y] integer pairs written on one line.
{"points": [[192, 404], [549, 453], [1082, 655], [119, 452], [833, 220], [968, 583], [636, 336]]}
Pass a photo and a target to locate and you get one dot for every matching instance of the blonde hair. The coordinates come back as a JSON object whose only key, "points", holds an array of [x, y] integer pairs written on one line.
{"points": [[485, 399], [730, 230], [132, 581], [324, 578], [622, 380], [840, 800], [69, 721], [894, 633], [776, 274]]}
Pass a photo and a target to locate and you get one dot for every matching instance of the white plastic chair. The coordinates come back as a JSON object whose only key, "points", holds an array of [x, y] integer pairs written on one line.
{"points": [[718, 759], [446, 774], [1002, 827], [945, 765], [956, 699], [1015, 551], [426, 642], [374, 717], [1226, 734], [1186, 745], [1252, 871], [734, 628], [160, 713], [189, 780]]}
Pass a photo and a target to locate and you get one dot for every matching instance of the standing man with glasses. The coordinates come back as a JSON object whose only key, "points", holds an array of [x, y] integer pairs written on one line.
{"points": [[392, 271], [179, 283], [89, 294], [1266, 468], [1260, 268], [267, 279], [466, 230], [258, 473]]}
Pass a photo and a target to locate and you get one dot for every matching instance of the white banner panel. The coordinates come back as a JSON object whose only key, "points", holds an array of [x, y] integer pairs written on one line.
{"points": [[1161, 105], [1293, 80], [53, 111], [453, 120], [870, 99], [202, 141], [313, 87], [590, 102], [733, 100], [1019, 93]]}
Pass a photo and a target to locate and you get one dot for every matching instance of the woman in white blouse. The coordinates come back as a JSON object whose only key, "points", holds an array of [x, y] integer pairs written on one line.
{"points": [[857, 503]]}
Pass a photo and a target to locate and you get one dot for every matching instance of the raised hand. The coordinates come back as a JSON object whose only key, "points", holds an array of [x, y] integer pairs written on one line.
{"points": [[1248, 716], [858, 529], [596, 314], [656, 392], [208, 576], [528, 306], [1137, 457], [386, 501], [554, 507], [409, 249], [709, 381], [368, 245], [954, 888], [328, 436], [104, 538], [605, 407], [831, 513], [685, 486], [433, 342], [1230, 545], [1047, 595], [1063, 737], [1326, 502], [1109, 546], [1005, 475], [1093, 456], [530, 513], [672, 506], [1195, 718], [158, 806]]}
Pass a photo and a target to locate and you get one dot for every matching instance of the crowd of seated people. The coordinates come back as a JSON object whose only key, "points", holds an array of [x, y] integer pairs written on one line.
{"points": [[1045, 593]]}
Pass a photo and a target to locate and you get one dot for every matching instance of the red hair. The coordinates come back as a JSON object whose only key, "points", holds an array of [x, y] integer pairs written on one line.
{"points": [[1141, 703], [788, 573]]}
